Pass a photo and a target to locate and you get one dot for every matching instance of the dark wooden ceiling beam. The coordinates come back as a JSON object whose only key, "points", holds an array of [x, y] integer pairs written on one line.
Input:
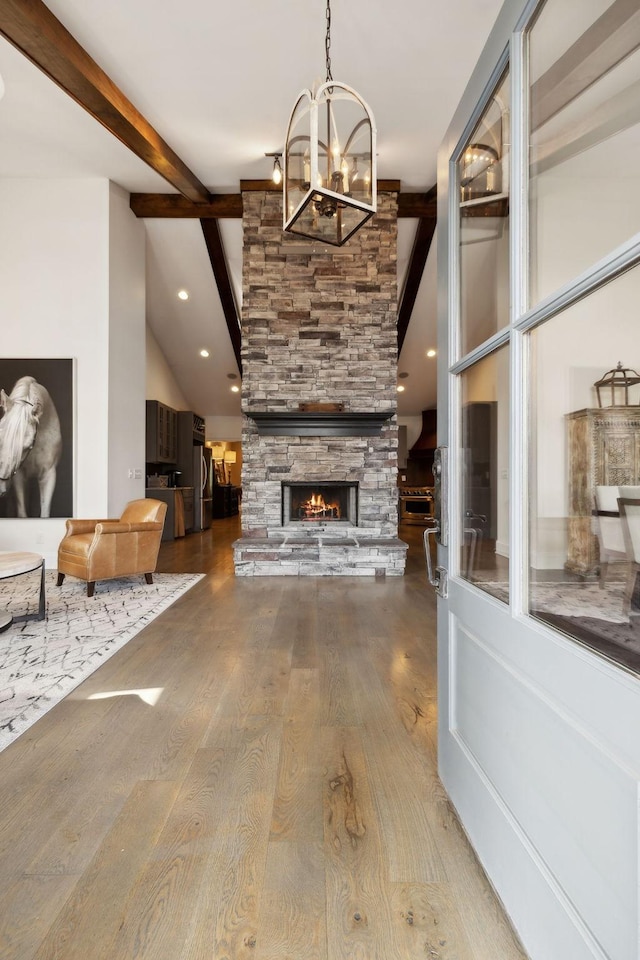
{"points": [[229, 205], [31, 27], [213, 240], [173, 206], [417, 205], [415, 270]]}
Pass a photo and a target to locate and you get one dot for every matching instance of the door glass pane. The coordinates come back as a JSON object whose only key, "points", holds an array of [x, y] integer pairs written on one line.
{"points": [[584, 137], [483, 178], [585, 458], [484, 551]]}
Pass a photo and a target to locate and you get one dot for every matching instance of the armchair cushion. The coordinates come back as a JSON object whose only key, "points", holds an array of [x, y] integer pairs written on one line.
{"points": [[103, 549]]}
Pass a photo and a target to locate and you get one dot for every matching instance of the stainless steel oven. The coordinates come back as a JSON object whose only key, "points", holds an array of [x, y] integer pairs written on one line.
{"points": [[415, 504]]}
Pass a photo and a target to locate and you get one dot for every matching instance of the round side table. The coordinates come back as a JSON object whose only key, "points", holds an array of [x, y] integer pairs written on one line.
{"points": [[13, 565]]}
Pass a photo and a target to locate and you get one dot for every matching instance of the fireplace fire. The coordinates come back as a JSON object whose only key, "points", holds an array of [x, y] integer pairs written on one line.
{"points": [[316, 508], [319, 503]]}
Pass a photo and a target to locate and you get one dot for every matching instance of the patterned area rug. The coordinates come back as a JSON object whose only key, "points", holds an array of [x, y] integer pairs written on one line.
{"points": [[591, 615], [581, 600], [42, 661]]}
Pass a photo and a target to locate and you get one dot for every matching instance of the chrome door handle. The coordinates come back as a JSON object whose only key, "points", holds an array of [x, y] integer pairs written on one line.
{"points": [[438, 577]]}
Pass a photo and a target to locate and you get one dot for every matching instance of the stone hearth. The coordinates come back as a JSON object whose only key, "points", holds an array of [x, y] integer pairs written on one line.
{"points": [[320, 553], [319, 329]]}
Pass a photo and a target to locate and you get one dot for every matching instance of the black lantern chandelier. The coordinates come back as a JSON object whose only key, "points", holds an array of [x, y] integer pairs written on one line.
{"points": [[330, 161]]}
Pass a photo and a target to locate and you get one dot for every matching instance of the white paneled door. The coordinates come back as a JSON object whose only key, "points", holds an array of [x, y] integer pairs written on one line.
{"points": [[539, 352]]}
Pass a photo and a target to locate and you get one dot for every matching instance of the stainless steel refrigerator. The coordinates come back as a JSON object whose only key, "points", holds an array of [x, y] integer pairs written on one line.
{"points": [[203, 487], [194, 462]]}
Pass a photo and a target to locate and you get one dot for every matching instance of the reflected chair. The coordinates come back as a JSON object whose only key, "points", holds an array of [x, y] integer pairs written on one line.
{"points": [[630, 518], [104, 549], [608, 529], [630, 493]]}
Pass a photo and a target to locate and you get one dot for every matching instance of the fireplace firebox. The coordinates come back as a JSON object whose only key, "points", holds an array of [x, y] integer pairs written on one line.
{"points": [[320, 502]]}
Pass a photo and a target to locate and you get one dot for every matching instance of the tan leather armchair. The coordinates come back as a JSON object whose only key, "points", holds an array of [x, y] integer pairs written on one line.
{"points": [[103, 549]]}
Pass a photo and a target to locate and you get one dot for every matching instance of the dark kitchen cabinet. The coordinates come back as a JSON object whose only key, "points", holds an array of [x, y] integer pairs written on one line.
{"points": [[225, 501], [187, 497], [162, 433], [180, 511]]}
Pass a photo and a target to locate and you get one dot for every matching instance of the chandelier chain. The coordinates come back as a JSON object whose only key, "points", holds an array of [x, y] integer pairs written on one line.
{"points": [[327, 42]]}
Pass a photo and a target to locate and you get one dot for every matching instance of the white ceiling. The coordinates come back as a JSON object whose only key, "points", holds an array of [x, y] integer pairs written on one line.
{"points": [[218, 81]]}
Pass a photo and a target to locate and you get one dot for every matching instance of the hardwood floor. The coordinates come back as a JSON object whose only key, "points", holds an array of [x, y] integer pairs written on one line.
{"points": [[278, 801]]}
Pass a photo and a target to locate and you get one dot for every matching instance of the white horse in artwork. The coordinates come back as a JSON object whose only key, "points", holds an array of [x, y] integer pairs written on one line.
{"points": [[30, 443]]}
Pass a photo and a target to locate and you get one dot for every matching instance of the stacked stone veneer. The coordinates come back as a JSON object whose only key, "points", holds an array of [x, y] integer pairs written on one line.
{"points": [[318, 326]]}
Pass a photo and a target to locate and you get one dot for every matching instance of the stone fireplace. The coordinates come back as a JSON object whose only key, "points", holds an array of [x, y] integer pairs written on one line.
{"points": [[319, 352]]}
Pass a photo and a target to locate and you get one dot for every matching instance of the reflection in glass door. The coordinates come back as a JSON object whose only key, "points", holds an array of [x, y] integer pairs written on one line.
{"points": [[482, 172], [484, 553], [585, 126], [483, 178], [586, 445], [584, 202]]}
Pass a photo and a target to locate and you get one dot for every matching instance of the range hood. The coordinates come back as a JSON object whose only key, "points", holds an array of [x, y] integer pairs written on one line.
{"points": [[427, 441]]}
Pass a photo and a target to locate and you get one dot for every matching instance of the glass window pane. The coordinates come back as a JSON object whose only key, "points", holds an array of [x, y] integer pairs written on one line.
{"points": [[484, 551], [483, 177], [584, 137], [586, 458]]}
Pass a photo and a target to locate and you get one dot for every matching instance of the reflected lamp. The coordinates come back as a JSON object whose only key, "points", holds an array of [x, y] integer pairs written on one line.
{"points": [[616, 383]]}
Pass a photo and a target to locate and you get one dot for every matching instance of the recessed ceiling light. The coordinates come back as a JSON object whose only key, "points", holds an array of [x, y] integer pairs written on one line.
{"points": [[232, 376], [403, 375], [183, 295], [431, 353], [400, 388], [204, 353], [235, 389]]}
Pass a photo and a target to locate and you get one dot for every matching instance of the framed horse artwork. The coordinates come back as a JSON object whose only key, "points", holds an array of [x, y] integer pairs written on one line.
{"points": [[36, 438]]}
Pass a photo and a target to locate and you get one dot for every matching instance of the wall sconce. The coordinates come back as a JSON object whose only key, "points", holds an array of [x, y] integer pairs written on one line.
{"points": [[276, 174]]}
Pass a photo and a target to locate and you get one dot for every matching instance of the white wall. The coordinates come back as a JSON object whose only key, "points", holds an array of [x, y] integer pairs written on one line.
{"points": [[223, 428], [126, 464], [414, 428], [160, 382], [55, 280]]}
